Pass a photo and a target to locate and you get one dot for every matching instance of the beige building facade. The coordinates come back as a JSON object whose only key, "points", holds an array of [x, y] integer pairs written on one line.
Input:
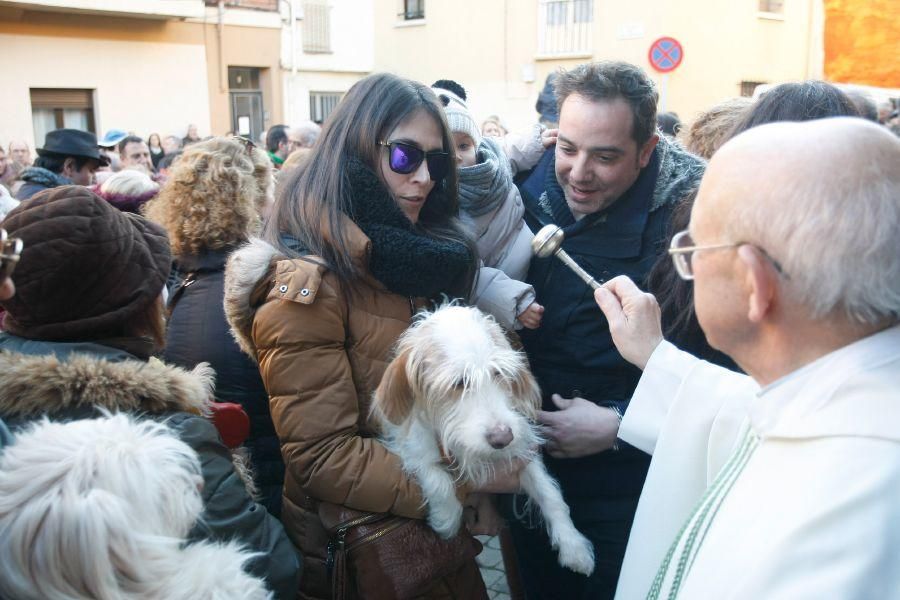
{"points": [[502, 50], [329, 48], [140, 65]]}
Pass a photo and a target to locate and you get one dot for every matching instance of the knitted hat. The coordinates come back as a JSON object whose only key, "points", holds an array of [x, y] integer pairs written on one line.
{"points": [[86, 268], [458, 115]]}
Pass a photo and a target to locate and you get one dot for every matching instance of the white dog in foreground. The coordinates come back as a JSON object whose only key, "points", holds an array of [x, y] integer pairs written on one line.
{"points": [[101, 508], [457, 389]]}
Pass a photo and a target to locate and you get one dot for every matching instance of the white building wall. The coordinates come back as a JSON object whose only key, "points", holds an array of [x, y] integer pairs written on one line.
{"points": [[166, 83], [351, 57]]}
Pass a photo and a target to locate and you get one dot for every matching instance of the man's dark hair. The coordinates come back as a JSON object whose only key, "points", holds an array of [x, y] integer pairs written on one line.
{"points": [[276, 135], [128, 140], [609, 80], [55, 162], [804, 101]]}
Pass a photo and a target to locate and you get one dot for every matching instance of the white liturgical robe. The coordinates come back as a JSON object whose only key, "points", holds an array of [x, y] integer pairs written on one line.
{"points": [[790, 492]]}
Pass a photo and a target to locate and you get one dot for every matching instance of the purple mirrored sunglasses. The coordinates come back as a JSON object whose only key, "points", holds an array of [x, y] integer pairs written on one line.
{"points": [[404, 158]]}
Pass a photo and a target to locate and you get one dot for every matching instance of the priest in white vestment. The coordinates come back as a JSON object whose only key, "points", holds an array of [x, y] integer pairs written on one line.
{"points": [[783, 484]]}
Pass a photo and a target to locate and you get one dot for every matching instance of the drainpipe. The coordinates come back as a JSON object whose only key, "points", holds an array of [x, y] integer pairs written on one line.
{"points": [[290, 89], [220, 34]]}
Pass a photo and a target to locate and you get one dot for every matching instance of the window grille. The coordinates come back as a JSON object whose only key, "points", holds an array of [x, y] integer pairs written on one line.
{"points": [[316, 26], [565, 27], [321, 104]]}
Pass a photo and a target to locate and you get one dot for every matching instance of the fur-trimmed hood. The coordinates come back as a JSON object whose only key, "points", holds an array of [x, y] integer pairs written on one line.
{"points": [[245, 269], [45, 384]]}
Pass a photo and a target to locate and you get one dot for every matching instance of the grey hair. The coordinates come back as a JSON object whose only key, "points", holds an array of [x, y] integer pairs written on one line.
{"points": [[834, 226], [308, 133], [100, 508]]}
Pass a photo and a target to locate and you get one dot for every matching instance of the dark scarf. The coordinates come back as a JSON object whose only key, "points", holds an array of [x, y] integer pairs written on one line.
{"points": [[632, 207], [484, 186], [42, 176], [406, 259]]}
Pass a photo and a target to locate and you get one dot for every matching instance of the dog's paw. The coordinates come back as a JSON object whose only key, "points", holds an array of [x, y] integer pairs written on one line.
{"points": [[445, 518], [576, 553]]}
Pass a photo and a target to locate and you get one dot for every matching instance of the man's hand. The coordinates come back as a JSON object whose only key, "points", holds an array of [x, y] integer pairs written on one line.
{"points": [[531, 316], [548, 137], [8, 290], [634, 319], [579, 428]]}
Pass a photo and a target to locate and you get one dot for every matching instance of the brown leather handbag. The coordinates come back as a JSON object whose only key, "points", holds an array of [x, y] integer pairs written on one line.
{"points": [[383, 556]]}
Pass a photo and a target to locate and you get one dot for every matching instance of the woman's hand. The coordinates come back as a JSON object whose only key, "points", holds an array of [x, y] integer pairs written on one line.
{"points": [[531, 316], [505, 479], [482, 517]]}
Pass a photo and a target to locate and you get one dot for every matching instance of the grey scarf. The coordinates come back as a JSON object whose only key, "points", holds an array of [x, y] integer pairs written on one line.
{"points": [[42, 176], [484, 186]]}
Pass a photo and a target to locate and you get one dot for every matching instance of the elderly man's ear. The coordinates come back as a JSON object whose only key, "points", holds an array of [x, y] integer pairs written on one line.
{"points": [[761, 282]]}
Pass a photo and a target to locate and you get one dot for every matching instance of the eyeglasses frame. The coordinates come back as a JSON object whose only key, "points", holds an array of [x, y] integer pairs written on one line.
{"points": [[681, 255]]}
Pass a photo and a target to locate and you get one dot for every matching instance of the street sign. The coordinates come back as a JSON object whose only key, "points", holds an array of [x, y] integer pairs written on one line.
{"points": [[665, 54]]}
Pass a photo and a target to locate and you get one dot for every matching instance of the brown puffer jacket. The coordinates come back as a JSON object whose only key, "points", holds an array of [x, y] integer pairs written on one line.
{"points": [[320, 363]]}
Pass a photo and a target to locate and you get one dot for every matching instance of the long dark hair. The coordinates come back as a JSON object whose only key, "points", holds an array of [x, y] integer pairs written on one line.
{"points": [[803, 101], [313, 201]]}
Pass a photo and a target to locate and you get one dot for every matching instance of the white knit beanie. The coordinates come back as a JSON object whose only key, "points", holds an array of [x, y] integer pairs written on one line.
{"points": [[458, 116]]}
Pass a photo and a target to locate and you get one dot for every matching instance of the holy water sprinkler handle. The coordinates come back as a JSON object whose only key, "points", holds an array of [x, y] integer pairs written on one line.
{"points": [[548, 242]]}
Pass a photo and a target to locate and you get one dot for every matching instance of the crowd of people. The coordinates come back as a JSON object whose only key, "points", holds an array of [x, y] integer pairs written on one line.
{"points": [[193, 330]]}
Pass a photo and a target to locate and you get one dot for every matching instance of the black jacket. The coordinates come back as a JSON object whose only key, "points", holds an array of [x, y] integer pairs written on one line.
{"points": [[572, 353], [197, 332]]}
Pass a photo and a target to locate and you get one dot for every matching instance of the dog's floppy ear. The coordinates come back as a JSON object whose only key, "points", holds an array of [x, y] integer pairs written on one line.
{"points": [[394, 396], [526, 393]]}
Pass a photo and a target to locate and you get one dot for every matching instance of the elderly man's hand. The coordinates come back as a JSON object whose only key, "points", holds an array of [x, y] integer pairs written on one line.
{"points": [[578, 428], [634, 319]]}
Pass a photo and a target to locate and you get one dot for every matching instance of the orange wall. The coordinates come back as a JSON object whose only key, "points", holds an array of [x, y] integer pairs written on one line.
{"points": [[862, 42]]}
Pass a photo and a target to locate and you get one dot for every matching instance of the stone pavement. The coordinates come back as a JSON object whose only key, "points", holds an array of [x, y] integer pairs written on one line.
{"points": [[490, 561]]}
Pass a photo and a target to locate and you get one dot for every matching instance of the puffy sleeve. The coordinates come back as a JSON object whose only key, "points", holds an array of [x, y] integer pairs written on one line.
{"points": [[302, 342]]}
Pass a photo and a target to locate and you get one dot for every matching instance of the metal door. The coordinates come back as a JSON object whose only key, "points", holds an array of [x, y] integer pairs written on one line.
{"points": [[247, 114]]}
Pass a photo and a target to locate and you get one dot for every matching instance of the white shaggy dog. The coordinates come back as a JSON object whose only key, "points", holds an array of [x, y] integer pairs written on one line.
{"points": [[100, 508], [457, 389]]}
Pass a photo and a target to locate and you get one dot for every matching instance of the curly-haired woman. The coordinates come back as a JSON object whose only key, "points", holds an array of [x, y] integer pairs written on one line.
{"points": [[210, 205]]}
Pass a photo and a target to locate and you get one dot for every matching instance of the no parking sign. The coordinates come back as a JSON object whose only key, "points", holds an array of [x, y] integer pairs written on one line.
{"points": [[665, 54]]}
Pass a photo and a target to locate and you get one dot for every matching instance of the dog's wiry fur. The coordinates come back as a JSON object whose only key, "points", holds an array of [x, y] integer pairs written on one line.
{"points": [[457, 389]]}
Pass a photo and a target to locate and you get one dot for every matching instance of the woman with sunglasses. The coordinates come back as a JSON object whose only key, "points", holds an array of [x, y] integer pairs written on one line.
{"points": [[363, 234]]}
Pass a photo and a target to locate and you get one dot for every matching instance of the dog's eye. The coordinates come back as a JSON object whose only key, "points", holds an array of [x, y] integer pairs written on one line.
{"points": [[459, 384], [497, 375]]}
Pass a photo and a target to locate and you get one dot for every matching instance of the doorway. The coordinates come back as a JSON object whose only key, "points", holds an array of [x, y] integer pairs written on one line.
{"points": [[246, 102]]}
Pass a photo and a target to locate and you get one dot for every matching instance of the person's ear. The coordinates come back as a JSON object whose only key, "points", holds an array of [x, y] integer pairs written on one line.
{"points": [[646, 151], [760, 281], [69, 167]]}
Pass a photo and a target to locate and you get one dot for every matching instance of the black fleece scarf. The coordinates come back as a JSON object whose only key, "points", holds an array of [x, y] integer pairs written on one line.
{"points": [[407, 260]]}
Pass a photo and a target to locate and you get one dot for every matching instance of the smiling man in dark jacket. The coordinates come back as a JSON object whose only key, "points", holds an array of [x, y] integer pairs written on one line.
{"points": [[611, 184]]}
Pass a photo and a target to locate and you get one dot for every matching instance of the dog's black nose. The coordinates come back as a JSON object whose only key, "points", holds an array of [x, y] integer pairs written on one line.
{"points": [[499, 436]]}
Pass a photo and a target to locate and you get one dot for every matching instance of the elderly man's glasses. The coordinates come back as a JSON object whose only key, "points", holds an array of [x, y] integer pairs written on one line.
{"points": [[405, 158], [682, 250], [10, 251]]}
